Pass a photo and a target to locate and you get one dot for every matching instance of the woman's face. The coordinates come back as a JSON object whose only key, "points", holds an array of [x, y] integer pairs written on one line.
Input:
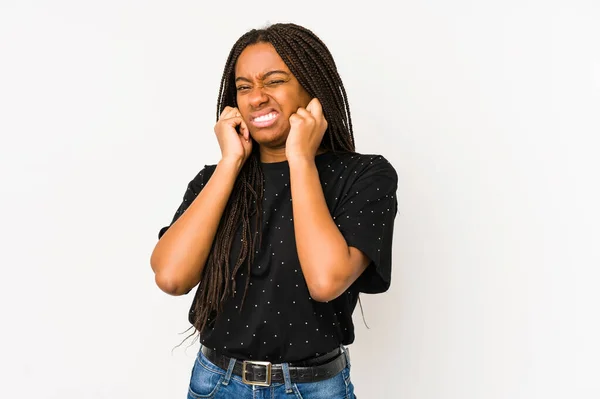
{"points": [[267, 94]]}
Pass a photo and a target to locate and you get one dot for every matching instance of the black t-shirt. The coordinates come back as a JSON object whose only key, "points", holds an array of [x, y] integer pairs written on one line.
{"points": [[279, 321]]}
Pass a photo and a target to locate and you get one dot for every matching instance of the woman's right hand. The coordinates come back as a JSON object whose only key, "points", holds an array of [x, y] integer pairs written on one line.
{"points": [[235, 146]]}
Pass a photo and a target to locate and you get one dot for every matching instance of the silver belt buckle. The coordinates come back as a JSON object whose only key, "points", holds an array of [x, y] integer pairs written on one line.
{"points": [[266, 365]]}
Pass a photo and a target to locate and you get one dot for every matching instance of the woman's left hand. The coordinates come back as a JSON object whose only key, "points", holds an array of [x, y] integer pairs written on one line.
{"points": [[308, 125]]}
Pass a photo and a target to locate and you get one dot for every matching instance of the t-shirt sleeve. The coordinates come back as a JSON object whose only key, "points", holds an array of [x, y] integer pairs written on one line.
{"points": [[193, 189], [365, 217]]}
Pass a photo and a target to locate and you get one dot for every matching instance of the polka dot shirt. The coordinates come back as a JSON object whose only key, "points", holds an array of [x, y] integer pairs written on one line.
{"points": [[279, 321]]}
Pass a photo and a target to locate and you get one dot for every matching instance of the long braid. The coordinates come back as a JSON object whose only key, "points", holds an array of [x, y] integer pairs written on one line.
{"points": [[325, 70], [312, 64]]}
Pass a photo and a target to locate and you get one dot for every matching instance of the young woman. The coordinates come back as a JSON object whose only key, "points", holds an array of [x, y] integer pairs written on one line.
{"points": [[284, 232]]}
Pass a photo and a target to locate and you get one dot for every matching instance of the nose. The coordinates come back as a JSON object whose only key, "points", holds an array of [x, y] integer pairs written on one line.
{"points": [[257, 97]]}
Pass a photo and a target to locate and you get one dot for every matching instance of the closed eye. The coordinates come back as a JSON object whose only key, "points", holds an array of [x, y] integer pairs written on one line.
{"points": [[269, 83]]}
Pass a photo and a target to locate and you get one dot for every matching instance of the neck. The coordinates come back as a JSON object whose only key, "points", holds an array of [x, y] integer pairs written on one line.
{"points": [[271, 155]]}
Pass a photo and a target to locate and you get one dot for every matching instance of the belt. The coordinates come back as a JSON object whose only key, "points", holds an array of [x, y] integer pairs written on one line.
{"points": [[266, 373]]}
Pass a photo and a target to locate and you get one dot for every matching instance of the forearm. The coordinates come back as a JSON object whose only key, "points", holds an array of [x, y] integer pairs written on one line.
{"points": [[180, 255], [322, 250]]}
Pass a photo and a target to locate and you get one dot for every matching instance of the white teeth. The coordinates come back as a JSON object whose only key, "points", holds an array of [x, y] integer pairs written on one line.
{"points": [[266, 117]]}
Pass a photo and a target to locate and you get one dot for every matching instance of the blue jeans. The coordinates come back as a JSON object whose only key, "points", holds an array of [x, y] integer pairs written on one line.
{"points": [[210, 381]]}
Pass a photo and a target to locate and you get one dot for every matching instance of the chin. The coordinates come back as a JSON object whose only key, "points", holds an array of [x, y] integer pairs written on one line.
{"points": [[270, 138]]}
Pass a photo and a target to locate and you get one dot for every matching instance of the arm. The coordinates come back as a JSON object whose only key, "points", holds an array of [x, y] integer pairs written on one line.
{"points": [[180, 255], [329, 265]]}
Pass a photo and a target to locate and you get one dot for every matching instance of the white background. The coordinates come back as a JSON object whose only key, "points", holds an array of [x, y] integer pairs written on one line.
{"points": [[488, 110]]}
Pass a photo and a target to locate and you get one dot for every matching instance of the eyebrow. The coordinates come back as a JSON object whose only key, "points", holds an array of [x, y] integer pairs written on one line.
{"points": [[266, 75]]}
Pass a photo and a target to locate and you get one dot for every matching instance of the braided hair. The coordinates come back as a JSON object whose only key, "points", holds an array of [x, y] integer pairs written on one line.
{"points": [[312, 64]]}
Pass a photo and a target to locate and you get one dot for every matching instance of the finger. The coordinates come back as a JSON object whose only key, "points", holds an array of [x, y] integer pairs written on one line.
{"points": [[247, 144], [233, 114], [305, 115], [229, 112], [225, 111], [233, 121], [244, 131], [315, 108], [303, 112], [295, 118]]}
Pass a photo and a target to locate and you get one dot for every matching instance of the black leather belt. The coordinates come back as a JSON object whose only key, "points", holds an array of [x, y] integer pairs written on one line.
{"points": [[266, 373]]}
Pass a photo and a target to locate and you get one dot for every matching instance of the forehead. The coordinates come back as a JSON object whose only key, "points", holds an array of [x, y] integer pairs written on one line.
{"points": [[257, 59]]}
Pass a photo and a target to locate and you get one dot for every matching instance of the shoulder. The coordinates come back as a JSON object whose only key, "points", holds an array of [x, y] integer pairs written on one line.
{"points": [[208, 170], [203, 175], [367, 165]]}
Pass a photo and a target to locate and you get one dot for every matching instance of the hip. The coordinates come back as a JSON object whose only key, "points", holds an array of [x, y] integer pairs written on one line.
{"points": [[211, 381]]}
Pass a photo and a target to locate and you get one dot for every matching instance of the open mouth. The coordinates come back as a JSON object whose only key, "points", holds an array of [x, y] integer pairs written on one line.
{"points": [[265, 120]]}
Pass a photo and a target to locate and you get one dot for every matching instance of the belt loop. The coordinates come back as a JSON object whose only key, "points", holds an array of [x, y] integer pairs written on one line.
{"points": [[229, 371], [199, 354], [347, 354], [286, 377]]}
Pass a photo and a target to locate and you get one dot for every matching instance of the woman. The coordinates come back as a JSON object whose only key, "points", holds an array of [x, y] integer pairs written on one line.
{"points": [[278, 280]]}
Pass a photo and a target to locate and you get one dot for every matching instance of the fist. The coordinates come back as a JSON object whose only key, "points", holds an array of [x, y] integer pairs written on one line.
{"points": [[234, 146], [307, 127]]}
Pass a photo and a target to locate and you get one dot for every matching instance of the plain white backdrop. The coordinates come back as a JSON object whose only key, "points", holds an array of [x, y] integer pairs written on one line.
{"points": [[489, 111]]}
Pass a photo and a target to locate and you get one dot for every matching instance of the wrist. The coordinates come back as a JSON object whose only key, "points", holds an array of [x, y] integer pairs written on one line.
{"points": [[300, 161], [234, 164]]}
